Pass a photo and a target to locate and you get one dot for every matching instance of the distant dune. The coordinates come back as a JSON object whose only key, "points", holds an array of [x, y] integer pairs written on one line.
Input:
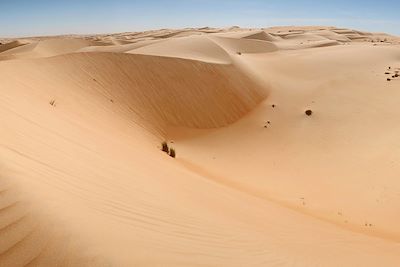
{"points": [[256, 181]]}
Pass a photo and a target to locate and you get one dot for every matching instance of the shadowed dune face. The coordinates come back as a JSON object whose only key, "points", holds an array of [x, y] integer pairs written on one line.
{"points": [[260, 35], [45, 48], [255, 181], [199, 48], [10, 45], [263, 36], [157, 89]]}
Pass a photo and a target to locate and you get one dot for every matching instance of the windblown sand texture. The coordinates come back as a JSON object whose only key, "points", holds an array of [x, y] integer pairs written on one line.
{"points": [[255, 181]]}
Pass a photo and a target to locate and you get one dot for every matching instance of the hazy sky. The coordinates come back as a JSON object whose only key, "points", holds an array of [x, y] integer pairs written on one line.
{"points": [[51, 17]]}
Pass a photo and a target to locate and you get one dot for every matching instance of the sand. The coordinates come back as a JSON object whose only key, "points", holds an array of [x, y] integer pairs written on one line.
{"points": [[255, 181]]}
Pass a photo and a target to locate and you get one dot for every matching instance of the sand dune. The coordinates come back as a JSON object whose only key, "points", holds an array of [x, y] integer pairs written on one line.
{"points": [[256, 182], [331, 35], [117, 48], [250, 34], [263, 36], [305, 43], [245, 45], [329, 131], [10, 45], [47, 48], [193, 47]]}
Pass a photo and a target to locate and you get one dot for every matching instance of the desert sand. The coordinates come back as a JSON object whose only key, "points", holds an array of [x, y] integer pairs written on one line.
{"points": [[255, 181]]}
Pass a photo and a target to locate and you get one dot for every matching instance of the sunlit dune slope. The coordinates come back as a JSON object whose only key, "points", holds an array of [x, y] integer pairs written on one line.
{"points": [[338, 164]]}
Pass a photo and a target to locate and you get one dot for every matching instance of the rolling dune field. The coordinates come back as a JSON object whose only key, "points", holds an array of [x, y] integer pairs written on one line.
{"points": [[255, 181]]}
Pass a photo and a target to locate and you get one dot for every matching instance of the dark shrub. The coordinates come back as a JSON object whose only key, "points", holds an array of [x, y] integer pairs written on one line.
{"points": [[164, 147], [172, 153], [308, 112]]}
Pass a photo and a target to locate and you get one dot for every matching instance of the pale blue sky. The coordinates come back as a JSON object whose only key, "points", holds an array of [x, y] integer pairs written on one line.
{"points": [[52, 17]]}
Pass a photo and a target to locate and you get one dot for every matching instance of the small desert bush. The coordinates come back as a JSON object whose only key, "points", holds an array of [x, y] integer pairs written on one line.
{"points": [[172, 153], [308, 112], [164, 147]]}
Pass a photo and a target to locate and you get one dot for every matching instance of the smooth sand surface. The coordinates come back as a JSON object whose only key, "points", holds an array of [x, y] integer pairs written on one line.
{"points": [[256, 182]]}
